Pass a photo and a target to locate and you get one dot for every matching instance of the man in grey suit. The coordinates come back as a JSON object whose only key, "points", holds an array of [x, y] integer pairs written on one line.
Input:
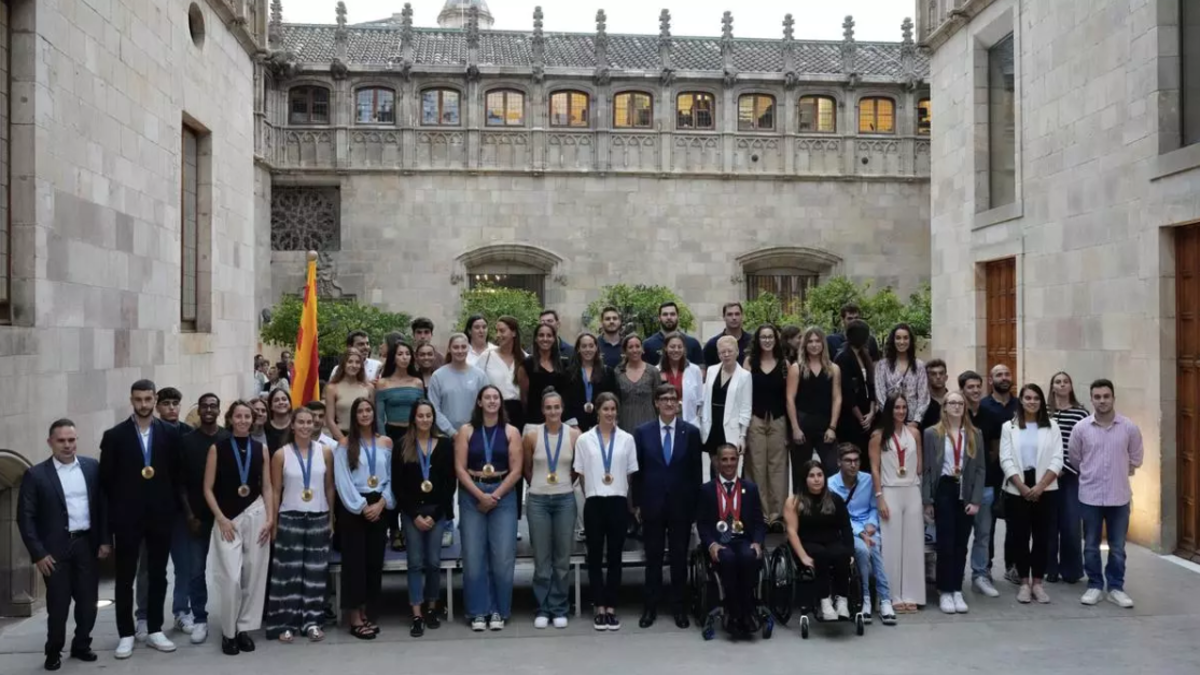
{"points": [[61, 516]]}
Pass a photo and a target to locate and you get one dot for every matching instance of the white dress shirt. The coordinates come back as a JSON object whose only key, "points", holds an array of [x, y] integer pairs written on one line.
{"points": [[590, 462], [75, 492]]}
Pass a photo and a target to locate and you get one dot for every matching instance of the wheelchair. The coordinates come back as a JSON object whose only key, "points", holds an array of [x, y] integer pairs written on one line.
{"points": [[707, 595], [787, 588]]}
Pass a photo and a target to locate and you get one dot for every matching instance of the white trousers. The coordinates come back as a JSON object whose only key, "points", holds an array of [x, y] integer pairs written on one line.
{"points": [[903, 540], [240, 571]]}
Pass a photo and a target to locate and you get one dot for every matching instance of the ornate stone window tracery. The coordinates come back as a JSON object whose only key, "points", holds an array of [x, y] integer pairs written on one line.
{"points": [[306, 219]]}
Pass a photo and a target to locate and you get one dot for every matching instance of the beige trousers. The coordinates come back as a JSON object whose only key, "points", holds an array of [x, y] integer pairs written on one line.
{"points": [[240, 571], [767, 463], [903, 540]]}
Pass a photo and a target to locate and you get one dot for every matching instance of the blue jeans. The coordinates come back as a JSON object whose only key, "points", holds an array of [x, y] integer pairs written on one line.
{"points": [[1066, 549], [551, 534], [424, 553], [181, 560], [489, 552], [981, 557], [866, 559], [1115, 521]]}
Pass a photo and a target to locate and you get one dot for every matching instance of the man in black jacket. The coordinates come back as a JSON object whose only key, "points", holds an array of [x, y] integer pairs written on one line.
{"points": [[729, 520], [60, 515]]}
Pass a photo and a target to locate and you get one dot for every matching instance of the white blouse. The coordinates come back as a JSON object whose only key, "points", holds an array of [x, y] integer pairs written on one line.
{"points": [[499, 374], [590, 462]]}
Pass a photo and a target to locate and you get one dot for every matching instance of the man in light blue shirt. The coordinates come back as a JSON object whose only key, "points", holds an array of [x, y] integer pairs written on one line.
{"points": [[858, 491]]}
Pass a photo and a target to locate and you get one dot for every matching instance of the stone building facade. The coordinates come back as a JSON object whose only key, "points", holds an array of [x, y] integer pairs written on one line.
{"points": [[1065, 197], [128, 232], [424, 160]]}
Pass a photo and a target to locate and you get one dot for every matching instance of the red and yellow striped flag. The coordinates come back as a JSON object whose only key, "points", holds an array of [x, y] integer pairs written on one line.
{"points": [[305, 382]]}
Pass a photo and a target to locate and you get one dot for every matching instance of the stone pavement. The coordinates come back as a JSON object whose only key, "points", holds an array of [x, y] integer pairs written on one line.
{"points": [[1157, 637]]}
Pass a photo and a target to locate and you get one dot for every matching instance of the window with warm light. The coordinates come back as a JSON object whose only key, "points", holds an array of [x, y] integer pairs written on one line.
{"points": [[633, 110], [505, 108], [695, 110], [756, 112], [375, 105], [818, 114], [569, 109], [440, 108], [924, 117], [876, 115]]}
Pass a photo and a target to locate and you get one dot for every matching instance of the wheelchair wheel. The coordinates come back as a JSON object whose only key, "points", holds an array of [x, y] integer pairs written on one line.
{"points": [[768, 626], [701, 596], [859, 626], [779, 587], [804, 626]]}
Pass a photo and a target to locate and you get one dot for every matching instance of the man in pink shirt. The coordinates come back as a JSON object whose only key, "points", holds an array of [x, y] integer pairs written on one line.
{"points": [[1107, 449]]}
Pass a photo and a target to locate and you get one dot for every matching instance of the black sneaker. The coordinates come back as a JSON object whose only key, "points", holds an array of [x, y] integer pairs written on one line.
{"points": [[418, 627], [600, 622], [613, 622], [432, 621]]}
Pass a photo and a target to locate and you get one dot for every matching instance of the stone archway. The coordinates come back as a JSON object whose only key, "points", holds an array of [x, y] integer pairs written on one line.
{"points": [[19, 586]]}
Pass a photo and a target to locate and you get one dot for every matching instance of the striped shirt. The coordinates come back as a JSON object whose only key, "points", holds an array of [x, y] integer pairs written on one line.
{"points": [[1106, 457], [1067, 419]]}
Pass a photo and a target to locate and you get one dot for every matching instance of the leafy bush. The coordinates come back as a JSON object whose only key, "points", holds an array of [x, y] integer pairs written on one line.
{"points": [[494, 302], [767, 308], [881, 309], [335, 320], [639, 308]]}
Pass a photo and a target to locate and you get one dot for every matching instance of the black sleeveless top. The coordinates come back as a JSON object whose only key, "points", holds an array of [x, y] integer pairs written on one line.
{"points": [[227, 481], [769, 391], [814, 400]]}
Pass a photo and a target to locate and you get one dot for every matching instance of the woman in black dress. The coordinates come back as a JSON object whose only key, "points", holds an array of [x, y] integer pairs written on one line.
{"points": [[814, 401], [543, 368], [858, 389], [821, 537]]}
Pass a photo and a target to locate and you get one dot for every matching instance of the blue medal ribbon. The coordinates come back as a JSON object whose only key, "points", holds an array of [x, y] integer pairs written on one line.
{"points": [[243, 467], [587, 386], [147, 443], [607, 456], [552, 460], [488, 441], [305, 465], [426, 457], [370, 455]]}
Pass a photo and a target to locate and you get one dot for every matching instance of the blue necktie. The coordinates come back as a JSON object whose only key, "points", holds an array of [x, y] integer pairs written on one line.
{"points": [[667, 445]]}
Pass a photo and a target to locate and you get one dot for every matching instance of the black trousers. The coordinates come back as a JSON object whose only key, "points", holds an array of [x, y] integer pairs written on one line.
{"points": [[801, 453], [396, 433], [74, 578], [674, 535], [363, 543], [1028, 520], [605, 520], [127, 546], [953, 531], [832, 562], [737, 568]]}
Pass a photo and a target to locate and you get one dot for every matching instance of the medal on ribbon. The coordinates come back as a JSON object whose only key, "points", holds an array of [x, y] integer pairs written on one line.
{"points": [[587, 392], [305, 472], [489, 469], [552, 460], [899, 453], [729, 508], [426, 457], [958, 444], [147, 444], [607, 457], [372, 478], [242, 467]]}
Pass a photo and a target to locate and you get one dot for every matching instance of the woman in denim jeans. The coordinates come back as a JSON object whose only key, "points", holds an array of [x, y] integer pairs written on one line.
{"points": [[487, 461], [425, 484], [550, 507]]}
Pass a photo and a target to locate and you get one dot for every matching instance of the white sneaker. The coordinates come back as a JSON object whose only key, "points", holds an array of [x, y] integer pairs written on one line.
{"points": [[184, 623], [160, 642], [141, 631], [495, 622], [1120, 599], [960, 603], [541, 622], [946, 604], [984, 585], [479, 624], [125, 648], [199, 633], [842, 607], [887, 613], [866, 610], [827, 613], [1091, 596], [560, 622]]}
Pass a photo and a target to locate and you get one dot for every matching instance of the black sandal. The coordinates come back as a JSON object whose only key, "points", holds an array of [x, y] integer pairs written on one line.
{"points": [[362, 632]]}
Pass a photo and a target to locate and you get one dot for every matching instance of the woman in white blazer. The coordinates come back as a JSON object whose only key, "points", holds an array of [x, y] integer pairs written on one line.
{"points": [[725, 415], [1031, 457], [686, 377]]}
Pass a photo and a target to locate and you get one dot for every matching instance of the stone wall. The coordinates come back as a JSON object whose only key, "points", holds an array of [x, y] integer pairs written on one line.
{"points": [[1099, 184], [402, 236]]}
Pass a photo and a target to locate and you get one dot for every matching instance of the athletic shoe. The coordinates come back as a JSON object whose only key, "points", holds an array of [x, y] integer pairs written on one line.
{"points": [[1040, 594], [600, 622], [141, 631], [887, 614], [124, 648], [199, 633], [495, 621], [984, 585], [1091, 596], [560, 622], [184, 623], [1120, 599], [160, 642], [827, 613], [1012, 577], [1024, 594], [866, 610], [541, 622], [960, 603], [842, 607], [479, 624], [613, 622], [946, 603]]}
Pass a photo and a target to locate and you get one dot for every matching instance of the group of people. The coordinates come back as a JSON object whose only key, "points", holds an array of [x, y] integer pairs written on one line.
{"points": [[399, 449]]}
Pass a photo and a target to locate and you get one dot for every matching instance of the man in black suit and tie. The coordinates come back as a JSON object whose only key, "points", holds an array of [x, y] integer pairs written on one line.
{"points": [[139, 473], [664, 499], [60, 514], [731, 526]]}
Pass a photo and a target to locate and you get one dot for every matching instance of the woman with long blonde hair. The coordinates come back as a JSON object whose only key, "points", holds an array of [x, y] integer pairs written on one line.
{"points": [[346, 386], [814, 402], [952, 492]]}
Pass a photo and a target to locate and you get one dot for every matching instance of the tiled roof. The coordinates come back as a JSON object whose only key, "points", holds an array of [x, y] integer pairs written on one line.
{"points": [[377, 44]]}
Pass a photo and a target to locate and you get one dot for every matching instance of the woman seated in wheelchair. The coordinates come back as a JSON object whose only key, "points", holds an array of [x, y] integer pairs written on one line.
{"points": [[821, 537], [730, 523]]}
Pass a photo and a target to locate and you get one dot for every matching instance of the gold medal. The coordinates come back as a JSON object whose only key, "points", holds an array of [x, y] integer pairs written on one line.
{"points": [[306, 494], [738, 527], [552, 478], [243, 490], [372, 481], [958, 471], [147, 472], [426, 486], [608, 479], [903, 471], [489, 470]]}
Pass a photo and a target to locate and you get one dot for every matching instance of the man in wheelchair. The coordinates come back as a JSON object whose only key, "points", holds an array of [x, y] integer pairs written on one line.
{"points": [[730, 523], [858, 491]]}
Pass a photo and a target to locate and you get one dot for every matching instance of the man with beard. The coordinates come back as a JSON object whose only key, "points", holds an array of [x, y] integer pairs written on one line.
{"points": [[668, 322], [197, 515], [610, 336], [1001, 406], [935, 373]]}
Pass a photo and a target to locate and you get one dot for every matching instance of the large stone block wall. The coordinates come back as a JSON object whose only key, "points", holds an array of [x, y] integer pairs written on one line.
{"points": [[102, 89], [1099, 187], [401, 236]]}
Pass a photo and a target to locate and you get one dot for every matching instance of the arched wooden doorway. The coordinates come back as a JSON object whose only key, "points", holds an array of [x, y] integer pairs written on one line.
{"points": [[19, 586]]}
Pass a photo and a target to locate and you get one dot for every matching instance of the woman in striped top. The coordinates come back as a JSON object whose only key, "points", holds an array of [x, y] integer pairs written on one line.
{"points": [[901, 370], [1065, 552]]}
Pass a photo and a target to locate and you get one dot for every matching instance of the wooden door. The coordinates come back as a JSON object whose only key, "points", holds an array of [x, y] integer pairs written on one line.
{"points": [[1000, 289], [1187, 378]]}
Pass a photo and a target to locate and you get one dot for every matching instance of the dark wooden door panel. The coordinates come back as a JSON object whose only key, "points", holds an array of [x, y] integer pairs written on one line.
{"points": [[1000, 290], [1187, 377]]}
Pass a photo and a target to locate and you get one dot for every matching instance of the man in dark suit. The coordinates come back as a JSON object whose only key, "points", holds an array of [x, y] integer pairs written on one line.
{"points": [[664, 499], [61, 518], [729, 520], [139, 474]]}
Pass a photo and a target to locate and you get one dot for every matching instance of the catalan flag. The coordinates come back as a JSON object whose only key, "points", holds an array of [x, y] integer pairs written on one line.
{"points": [[305, 384]]}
